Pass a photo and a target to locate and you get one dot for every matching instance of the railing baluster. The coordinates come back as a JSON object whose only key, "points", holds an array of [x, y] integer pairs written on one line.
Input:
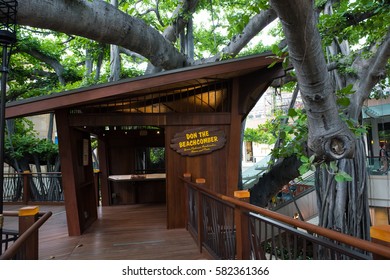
{"points": [[201, 215], [25, 187], [267, 234]]}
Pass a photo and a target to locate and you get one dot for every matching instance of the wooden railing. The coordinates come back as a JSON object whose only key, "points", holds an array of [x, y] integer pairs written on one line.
{"points": [[8, 237], [25, 187], [25, 244], [229, 228]]}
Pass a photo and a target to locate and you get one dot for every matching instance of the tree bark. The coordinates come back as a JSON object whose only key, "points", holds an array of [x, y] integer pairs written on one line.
{"points": [[105, 23], [329, 137], [115, 60], [271, 182], [55, 64], [255, 25]]}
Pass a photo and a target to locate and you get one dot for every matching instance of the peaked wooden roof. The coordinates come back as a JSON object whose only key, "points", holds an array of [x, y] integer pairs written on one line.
{"points": [[143, 85]]}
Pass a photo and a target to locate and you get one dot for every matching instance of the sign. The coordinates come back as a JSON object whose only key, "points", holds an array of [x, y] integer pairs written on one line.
{"points": [[198, 141]]}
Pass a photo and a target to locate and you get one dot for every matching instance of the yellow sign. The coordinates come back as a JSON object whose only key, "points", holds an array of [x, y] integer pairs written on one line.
{"points": [[197, 141]]}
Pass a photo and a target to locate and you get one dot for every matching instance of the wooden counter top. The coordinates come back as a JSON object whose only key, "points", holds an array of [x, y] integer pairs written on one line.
{"points": [[137, 177]]}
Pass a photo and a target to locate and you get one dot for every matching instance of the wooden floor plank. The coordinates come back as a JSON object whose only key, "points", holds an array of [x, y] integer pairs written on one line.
{"points": [[126, 232]]}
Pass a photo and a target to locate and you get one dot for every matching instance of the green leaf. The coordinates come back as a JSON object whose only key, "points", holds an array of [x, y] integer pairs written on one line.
{"points": [[304, 159], [347, 89], [343, 177], [304, 168], [272, 64], [333, 166], [286, 63], [275, 49], [292, 113], [343, 101]]}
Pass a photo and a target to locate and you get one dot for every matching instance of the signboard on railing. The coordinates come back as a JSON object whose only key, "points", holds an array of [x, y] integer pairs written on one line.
{"points": [[198, 141]]}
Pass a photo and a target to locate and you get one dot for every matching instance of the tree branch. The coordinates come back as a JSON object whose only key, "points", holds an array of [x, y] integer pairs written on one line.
{"points": [[271, 182], [53, 63], [106, 24], [238, 42], [374, 70], [186, 7], [132, 54], [155, 10]]}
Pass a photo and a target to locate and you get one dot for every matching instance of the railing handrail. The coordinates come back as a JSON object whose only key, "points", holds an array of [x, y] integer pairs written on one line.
{"points": [[14, 248], [328, 233], [11, 213], [30, 173]]}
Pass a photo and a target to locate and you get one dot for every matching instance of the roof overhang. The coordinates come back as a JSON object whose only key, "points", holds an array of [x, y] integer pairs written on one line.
{"points": [[140, 85]]}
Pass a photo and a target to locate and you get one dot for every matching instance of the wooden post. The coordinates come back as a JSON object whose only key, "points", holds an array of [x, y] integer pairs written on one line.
{"points": [[26, 186], [27, 217], [96, 183], [187, 178], [241, 219], [200, 214], [380, 235], [234, 140]]}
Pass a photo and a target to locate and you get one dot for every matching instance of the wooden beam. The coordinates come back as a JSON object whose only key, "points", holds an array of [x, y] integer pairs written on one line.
{"points": [[104, 169], [68, 157], [234, 141], [79, 120]]}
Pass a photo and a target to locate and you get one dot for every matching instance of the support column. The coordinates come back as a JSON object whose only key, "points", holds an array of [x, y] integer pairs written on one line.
{"points": [[68, 157], [27, 217], [234, 153]]}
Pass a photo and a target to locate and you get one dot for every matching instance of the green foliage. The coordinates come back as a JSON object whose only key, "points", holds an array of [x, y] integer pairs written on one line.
{"points": [[267, 132], [307, 165], [340, 176], [263, 134], [343, 101], [25, 146], [255, 49], [290, 86], [381, 90], [280, 54], [157, 155], [343, 23], [293, 132], [342, 96]]}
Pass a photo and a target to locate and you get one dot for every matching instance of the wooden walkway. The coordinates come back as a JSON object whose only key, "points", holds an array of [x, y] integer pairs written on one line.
{"points": [[130, 232]]}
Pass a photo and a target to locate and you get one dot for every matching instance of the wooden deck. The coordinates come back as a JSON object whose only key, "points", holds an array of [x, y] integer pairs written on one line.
{"points": [[130, 232]]}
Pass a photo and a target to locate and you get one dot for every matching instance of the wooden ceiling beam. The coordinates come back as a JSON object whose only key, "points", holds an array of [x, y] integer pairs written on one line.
{"points": [[101, 120]]}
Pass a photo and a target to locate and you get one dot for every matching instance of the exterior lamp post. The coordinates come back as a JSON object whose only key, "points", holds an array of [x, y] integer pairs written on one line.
{"points": [[7, 40]]}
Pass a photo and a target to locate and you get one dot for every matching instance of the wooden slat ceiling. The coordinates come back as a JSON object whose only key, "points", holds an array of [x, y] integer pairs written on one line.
{"points": [[207, 97]]}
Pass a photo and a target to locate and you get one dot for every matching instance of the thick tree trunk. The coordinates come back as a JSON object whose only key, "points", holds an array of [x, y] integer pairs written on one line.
{"points": [[329, 137], [343, 206]]}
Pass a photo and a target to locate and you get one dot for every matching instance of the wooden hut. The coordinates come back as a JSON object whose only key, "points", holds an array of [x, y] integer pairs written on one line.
{"points": [[150, 131]]}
